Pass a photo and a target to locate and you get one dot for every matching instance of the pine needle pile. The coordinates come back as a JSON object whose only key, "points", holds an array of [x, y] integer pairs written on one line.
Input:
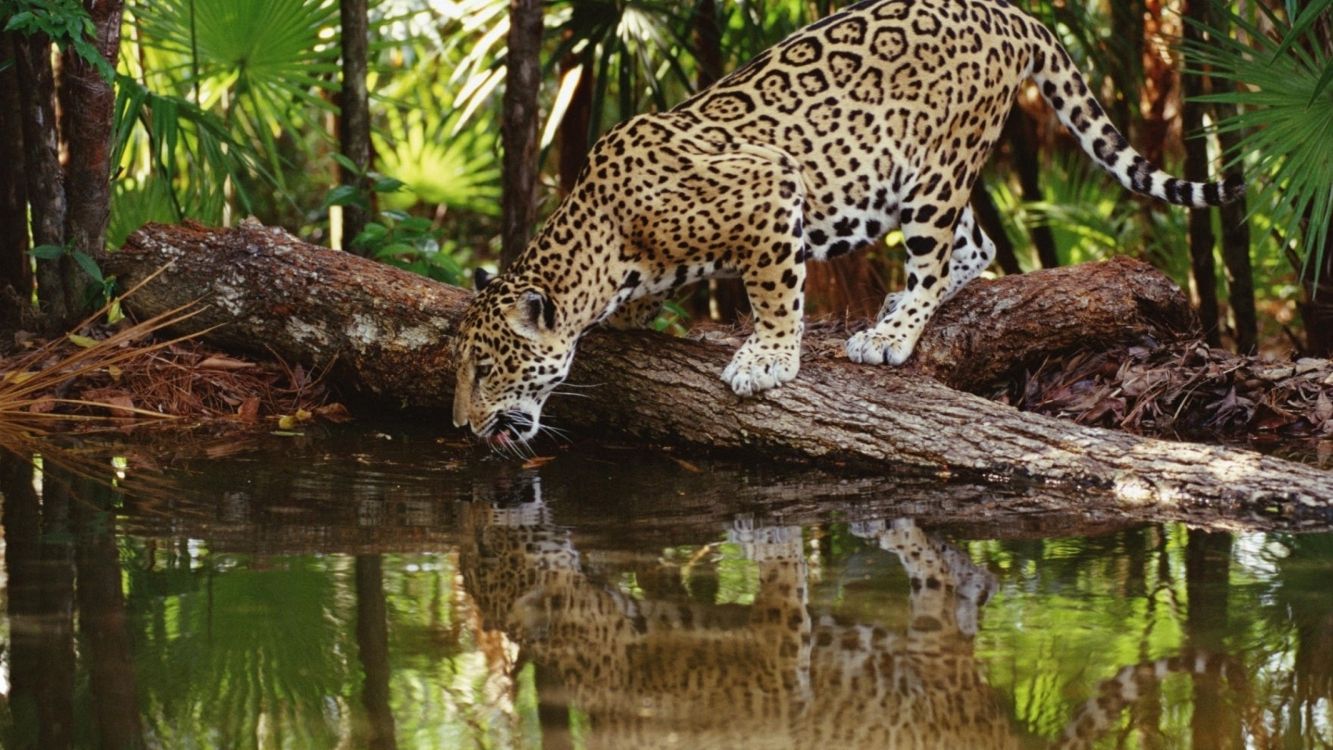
{"points": [[127, 377], [1189, 391]]}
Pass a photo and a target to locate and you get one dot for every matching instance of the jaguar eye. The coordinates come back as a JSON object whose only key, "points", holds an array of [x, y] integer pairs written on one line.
{"points": [[481, 371]]}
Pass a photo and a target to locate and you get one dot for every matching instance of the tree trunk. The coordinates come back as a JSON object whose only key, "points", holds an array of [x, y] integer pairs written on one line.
{"points": [[1236, 253], [1201, 237], [88, 101], [1028, 164], [389, 332], [1317, 308], [14, 261], [1235, 223], [46, 180], [572, 135], [988, 216], [354, 114], [707, 36], [518, 129], [1127, 65]]}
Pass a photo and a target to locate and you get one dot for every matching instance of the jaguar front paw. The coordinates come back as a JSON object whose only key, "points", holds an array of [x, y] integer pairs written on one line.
{"points": [[755, 370], [876, 347]]}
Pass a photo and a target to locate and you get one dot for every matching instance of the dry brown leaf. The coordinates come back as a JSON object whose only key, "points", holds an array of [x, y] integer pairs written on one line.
{"points": [[686, 465], [334, 412], [249, 410], [219, 362]]}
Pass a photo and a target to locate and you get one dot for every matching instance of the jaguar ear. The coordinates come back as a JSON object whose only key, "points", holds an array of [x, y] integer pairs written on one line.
{"points": [[533, 314], [480, 278]]}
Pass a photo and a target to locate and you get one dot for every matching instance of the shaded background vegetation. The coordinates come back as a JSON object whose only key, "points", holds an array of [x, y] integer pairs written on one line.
{"points": [[434, 134]]}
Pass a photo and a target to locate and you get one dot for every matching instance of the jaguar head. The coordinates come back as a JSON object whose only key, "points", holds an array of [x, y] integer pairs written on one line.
{"points": [[511, 354]]}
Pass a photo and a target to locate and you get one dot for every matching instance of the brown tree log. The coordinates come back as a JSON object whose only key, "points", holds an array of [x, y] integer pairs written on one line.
{"points": [[389, 333]]}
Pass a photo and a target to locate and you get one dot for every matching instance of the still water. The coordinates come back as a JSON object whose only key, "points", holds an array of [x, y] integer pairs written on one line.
{"points": [[375, 590]]}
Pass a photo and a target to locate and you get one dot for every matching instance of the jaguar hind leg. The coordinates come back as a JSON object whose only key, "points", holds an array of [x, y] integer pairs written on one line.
{"points": [[929, 225], [973, 252]]}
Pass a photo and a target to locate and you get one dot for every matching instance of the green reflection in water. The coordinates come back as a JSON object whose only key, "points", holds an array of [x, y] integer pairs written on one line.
{"points": [[482, 608]]}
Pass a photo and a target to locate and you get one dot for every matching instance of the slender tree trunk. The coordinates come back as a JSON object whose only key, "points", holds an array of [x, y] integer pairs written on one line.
{"points": [[572, 136], [88, 100], [1202, 242], [988, 215], [1236, 253], [1317, 309], [1127, 65], [518, 129], [1235, 227], [1158, 82], [46, 180], [552, 707], [14, 261], [354, 113], [1026, 161], [707, 44]]}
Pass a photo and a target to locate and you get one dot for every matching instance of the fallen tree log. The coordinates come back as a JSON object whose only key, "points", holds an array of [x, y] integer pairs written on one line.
{"points": [[387, 333]]}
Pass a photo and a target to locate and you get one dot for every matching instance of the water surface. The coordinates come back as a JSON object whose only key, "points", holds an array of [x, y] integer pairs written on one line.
{"points": [[378, 589]]}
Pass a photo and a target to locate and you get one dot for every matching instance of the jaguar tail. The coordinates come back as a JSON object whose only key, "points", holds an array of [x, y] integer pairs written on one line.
{"points": [[1063, 86]]}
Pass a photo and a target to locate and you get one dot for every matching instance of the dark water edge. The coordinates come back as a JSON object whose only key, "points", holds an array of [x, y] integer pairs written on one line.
{"points": [[368, 588]]}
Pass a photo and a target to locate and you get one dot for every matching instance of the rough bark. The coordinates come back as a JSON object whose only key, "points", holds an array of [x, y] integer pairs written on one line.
{"points": [[518, 129], [46, 180], [1127, 66], [1028, 164], [706, 34], [1234, 219], [14, 266], [1202, 241], [389, 332], [88, 101], [354, 112], [988, 215]]}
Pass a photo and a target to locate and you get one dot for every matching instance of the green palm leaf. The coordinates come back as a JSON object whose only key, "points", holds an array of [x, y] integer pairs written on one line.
{"points": [[1285, 116], [265, 63]]}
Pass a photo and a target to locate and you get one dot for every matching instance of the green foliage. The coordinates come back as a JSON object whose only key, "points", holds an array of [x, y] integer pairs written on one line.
{"points": [[267, 64], [64, 22], [183, 153], [103, 287], [426, 141], [1285, 118], [411, 243]]}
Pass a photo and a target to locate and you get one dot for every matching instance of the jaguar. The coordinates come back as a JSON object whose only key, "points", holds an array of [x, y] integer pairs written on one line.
{"points": [[875, 118]]}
